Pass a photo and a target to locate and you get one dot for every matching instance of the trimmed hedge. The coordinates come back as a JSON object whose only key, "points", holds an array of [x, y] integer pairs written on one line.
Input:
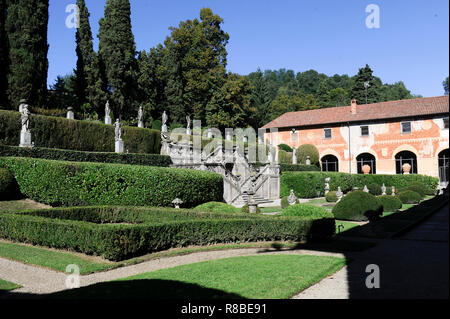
{"points": [[285, 148], [358, 206], [310, 150], [298, 168], [374, 189], [8, 185], [390, 203], [217, 207], [284, 157], [331, 197], [307, 184], [61, 133], [409, 197], [75, 184], [149, 230], [79, 156], [418, 188], [304, 210]]}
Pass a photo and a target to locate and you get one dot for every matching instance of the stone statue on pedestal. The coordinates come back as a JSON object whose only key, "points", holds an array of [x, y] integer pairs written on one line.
{"points": [[25, 133], [165, 118], [118, 137], [141, 117], [292, 199], [108, 114]]}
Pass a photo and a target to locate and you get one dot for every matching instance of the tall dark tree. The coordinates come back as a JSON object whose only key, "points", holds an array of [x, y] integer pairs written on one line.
{"points": [[26, 26], [259, 99], [445, 85], [365, 75], [3, 57], [117, 52], [89, 84]]}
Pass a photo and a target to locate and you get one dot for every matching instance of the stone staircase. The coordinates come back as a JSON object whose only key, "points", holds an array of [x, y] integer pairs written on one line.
{"points": [[243, 200]]}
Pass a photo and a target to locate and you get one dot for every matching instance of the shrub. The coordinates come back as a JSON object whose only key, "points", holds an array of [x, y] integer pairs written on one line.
{"points": [[390, 203], [298, 168], [8, 185], [75, 184], [119, 233], [285, 148], [304, 210], [79, 156], [307, 184], [246, 210], [285, 202], [61, 133], [157, 125], [308, 150], [418, 188], [374, 189], [284, 157], [331, 197], [358, 206], [409, 197], [217, 207]]}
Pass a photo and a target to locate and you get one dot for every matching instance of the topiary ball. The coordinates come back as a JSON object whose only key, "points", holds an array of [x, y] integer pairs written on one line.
{"points": [[284, 157], [418, 188], [331, 197], [285, 147], [307, 211], [308, 150], [358, 206], [409, 197], [217, 207], [390, 203], [284, 202], [374, 189]]}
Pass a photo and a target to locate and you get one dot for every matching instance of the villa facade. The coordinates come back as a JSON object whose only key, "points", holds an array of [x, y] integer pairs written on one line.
{"points": [[383, 136]]}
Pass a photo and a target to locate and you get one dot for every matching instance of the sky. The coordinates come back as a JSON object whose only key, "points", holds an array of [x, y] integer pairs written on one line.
{"points": [[329, 36]]}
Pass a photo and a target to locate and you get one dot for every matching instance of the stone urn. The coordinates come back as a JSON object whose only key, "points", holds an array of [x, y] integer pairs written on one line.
{"points": [[406, 168], [366, 169]]}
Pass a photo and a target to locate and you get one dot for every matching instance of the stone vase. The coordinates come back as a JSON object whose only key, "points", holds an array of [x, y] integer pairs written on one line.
{"points": [[366, 169]]}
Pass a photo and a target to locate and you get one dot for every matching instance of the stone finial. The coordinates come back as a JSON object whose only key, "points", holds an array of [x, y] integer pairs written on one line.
{"points": [[339, 194], [393, 191], [383, 190], [366, 190], [177, 202], [292, 199]]}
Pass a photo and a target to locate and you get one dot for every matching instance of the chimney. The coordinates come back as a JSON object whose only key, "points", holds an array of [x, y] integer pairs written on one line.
{"points": [[353, 106]]}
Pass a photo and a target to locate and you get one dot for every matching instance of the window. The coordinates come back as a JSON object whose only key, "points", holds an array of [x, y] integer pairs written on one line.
{"points": [[406, 127], [327, 133], [364, 131], [445, 122]]}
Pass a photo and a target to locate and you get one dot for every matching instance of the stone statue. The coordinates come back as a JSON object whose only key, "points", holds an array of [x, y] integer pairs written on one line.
{"points": [[339, 194], [108, 120], [141, 117], [327, 185], [25, 117], [118, 130], [165, 118], [188, 128], [292, 199], [393, 191]]}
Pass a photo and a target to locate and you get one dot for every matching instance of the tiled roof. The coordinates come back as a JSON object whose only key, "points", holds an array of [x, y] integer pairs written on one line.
{"points": [[367, 112]]}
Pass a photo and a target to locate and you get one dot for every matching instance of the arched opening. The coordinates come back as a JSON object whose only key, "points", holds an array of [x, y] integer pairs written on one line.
{"points": [[330, 163], [443, 162], [366, 159], [405, 157]]}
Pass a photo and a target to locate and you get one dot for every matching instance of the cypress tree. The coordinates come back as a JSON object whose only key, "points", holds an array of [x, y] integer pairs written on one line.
{"points": [[117, 52], [89, 86], [3, 57], [359, 91], [26, 28]]}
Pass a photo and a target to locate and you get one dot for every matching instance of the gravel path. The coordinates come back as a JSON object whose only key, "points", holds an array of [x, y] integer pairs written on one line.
{"points": [[36, 280]]}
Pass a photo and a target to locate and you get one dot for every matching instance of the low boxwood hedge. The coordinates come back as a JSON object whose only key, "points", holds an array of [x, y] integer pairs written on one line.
{"points": [[76, 184], [120, 233], [79, 156], [418, 188], [374, 189], [358, 206], [217, 207], [61, 133], [390, 203], [409, 197], [305, 210], [298, 168], [308, 184]]}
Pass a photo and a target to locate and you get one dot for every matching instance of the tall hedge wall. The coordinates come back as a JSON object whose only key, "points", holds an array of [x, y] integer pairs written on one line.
{"points": [[61, 133], [79, 156], [307, 184], [76, 184], [141, 235]]}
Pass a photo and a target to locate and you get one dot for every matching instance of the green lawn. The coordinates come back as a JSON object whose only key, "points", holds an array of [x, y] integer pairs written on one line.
{"points": [[16, 205], [253, 277], [49, 258], [7, 286], [271, 209], [342, 226]]}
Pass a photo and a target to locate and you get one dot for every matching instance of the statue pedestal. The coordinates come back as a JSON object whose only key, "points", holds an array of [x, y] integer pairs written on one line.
{"points": [[119, 146], [25, 139], [108, 120], [70, 115], [141, 124]]}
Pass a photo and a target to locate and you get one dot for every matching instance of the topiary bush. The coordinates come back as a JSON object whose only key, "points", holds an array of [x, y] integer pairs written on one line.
{"points": [[8, 185], [304, 210], [80, 184], [285, 202], [374, 189], [358, 206], [409, 197], [390, 203], [217, 207], [331, 197], [306, 150], [418, 188], [285, 148], [284, 157]]}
